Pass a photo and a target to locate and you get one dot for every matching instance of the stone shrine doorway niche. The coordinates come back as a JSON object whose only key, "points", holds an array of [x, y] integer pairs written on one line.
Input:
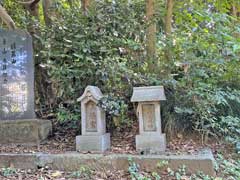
{"points": [[149, 120], [91, 115]]}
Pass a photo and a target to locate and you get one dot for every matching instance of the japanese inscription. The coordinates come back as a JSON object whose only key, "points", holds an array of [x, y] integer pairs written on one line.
{"points": [[16, 76], [149, 120], [91, 119]]}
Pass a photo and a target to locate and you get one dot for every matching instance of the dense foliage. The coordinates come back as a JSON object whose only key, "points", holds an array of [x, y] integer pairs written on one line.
{"points": [[99, 49], [198, 63], [206, 97]]}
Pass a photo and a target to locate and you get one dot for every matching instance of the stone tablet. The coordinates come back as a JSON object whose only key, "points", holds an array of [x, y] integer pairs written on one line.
{"points": [[91, 116], [16, 76], [149, 120]]}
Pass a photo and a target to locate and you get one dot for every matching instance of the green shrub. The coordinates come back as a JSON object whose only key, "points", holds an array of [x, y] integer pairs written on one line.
{"points": [[106, 48], [203, 91], [99, 49]]}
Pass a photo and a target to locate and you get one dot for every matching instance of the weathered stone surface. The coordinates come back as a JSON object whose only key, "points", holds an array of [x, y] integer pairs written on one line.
{"points": [[149, 120], [93, 121], [93, 118], [24, 131], [99, 143], [151, 144], [149, 93], [149, 116], [150, 138], [203, 161], [16, 75], [91, 91], [72, 161], [21, 161], [45, 129]]}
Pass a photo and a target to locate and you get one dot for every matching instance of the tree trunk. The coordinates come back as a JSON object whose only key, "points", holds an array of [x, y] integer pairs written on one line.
{"points": [[85, 4], [168, 19], [234, 11], [168, 31], [46, 11], [32, 7], [6, 18], [151, 35]]}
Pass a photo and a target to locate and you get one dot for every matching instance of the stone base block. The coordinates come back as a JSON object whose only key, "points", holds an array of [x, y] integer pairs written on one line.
{"points": [[151, 144], [96, 143], [26, 132], [72, 161]]}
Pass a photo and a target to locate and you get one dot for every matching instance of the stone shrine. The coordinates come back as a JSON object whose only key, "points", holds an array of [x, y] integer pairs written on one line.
{"points": [[17, 116], [150, 138], [93, 122]]}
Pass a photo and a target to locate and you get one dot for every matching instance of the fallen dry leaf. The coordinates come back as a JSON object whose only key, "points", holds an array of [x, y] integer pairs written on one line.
{"points": [[56, 174]]}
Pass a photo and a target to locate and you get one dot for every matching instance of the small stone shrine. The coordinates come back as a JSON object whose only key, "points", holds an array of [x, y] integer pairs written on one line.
{"points": [[94, 136], [17, 117], [150, 138]]}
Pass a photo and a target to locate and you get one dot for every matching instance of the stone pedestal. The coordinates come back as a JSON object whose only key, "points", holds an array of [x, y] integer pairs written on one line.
{"points": [[26, 132], [99, 143], [153, 144]]}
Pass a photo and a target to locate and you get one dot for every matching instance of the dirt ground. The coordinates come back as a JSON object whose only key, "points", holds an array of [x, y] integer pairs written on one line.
{"points": [[63, 140], [123, 142]]}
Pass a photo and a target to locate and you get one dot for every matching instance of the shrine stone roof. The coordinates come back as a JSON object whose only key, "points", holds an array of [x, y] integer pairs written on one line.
{"points": [[94, 91], [146, 94]]}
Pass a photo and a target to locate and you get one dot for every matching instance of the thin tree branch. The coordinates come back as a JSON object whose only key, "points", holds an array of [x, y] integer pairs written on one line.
{"points": [[30, 4], [6, 18]]}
